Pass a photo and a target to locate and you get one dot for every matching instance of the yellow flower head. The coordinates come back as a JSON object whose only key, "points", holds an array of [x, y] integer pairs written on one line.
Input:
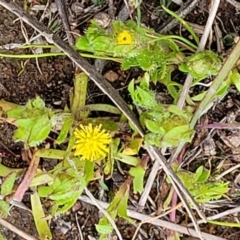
{"points": [[124, 38], [91, 142]]}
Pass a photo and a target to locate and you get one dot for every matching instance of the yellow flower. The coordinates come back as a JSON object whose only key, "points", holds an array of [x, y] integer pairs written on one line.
{"points": [[124, 38], [91, 142]]}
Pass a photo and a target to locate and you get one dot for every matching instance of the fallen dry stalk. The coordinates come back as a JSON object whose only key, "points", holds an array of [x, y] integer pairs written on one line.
{"points": [[157, 222], [14, 229]]}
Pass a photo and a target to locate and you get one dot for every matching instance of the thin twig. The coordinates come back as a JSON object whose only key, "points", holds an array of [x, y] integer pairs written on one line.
{"points": [[182, 12], [62, 10], [106, 214], [234, 3], [79, 228], [148, 186], [16, 230], [222, 214], [157, 222], [229, 170], [157, 217]]}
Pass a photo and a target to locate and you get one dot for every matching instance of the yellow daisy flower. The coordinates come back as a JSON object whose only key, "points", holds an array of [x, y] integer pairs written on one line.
{"points": [[124, 38], [91, 142]]}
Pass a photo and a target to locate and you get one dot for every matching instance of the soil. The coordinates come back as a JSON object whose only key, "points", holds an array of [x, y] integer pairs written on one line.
{"points": [[52, 79]]}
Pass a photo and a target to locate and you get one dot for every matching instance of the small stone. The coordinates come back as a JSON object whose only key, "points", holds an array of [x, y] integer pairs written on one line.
{"points": [[103, 19], [209, 147], [57, 102], [111, 76]]}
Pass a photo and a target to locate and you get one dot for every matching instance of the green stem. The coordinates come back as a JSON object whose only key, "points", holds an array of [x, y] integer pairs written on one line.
{"points": [[183, 22], [182, 41], [225, 224], [53, 54], [27, 56]]}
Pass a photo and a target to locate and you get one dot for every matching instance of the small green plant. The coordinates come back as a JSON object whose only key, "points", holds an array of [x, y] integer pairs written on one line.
{"points": [[167, 124], [158, 55], [201, 185]]}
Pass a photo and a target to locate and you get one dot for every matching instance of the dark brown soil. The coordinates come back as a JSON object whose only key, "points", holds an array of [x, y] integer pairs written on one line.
{"points": [[52, 79]]}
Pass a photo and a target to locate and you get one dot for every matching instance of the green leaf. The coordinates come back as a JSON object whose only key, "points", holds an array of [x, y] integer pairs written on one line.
{"points": [[33, 122], [82, 43], [2, 237], [108, 125], [79, 93], [68, 184], [142, 97], [39, 131], [138, 173], [154, 126], [109, 164], [101, 44], [41, 178], [184, 23], [199, 185], [130, 160], [4, 171], [198, 173], [103, 107], [201, 65], [103, 185], [199, 97], [15, 112], [104, 228], [144, 59], [67, 124], [235, 78], [38, 215], [8, 183], [45, 191], [177, 134], [4, 208], [89, 170], [153, 139], [201, 175], [134, 147]]}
